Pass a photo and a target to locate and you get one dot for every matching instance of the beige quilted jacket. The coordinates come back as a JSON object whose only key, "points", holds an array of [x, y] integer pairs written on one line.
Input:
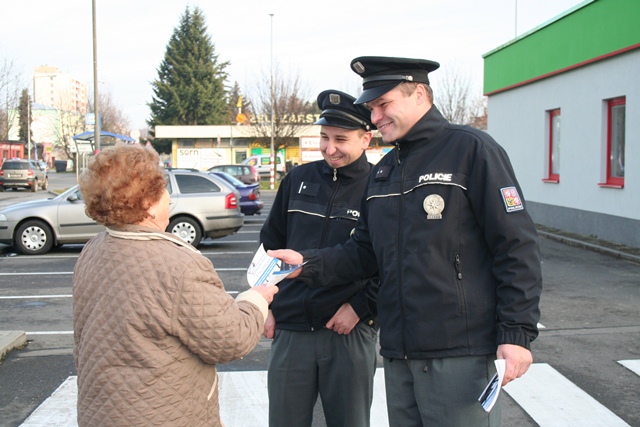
{"points": [[151, 321]]}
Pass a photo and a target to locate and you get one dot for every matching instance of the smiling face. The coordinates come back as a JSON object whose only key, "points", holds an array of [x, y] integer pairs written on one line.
{"points": [[341, 147], [395, 112]]}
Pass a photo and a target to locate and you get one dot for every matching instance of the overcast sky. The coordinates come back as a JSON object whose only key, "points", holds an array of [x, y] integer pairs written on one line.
{"points": [[313, 40]]}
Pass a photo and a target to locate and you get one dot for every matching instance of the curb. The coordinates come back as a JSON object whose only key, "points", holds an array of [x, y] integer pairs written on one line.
{"points": [[11, 340], [590, 246]]}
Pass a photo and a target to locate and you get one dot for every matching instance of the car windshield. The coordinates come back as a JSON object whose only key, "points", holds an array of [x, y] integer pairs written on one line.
{"points": [[231, 179]]}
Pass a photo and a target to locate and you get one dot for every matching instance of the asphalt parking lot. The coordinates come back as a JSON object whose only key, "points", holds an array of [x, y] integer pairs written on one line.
{"points": [[585, 357]]}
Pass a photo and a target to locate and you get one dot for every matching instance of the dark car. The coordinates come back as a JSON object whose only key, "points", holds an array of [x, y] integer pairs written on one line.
{"points": [[250, 203], [245, 173], [18, 173]]}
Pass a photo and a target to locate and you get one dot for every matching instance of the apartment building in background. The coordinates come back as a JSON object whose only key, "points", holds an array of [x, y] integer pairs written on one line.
{"points": [[53, 88]]}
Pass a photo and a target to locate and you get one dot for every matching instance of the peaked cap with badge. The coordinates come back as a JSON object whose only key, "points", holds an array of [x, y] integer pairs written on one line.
{"points": [[380, 74], [339, 110]]}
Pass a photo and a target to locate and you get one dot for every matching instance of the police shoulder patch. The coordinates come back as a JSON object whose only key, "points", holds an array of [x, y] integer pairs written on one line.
{"points": [[511, 199]]}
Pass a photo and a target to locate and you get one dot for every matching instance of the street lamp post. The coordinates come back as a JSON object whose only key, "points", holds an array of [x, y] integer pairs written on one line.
{"points": [[272, 184], [96, 132]]}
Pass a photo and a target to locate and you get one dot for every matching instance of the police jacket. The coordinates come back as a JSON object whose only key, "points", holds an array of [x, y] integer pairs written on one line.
{"points": [[316, 207], [445, 224]]}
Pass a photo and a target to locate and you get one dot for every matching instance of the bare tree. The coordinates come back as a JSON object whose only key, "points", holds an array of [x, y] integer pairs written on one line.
{"points": [[11, 84], [113, 119], [480, 112], [291, 110], [453, 95]]}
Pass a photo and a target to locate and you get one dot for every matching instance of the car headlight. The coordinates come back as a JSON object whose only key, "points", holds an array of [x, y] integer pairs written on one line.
{"points": [[3, 217]]}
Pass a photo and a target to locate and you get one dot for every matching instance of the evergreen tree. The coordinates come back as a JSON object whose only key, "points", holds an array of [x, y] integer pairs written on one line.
{"points": [[190, 88], [24, 113]]}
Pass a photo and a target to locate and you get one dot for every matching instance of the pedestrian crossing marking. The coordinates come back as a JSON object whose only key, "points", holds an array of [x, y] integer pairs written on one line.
{"points": [[545, 394], [632, 365], [552, 400]]}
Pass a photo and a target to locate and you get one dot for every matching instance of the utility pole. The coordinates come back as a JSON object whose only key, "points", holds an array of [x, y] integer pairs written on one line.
{"points": [[96, 128], [272, 184]]}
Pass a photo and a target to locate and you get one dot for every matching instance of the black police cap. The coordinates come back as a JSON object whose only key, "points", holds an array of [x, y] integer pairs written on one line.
{"points": [[339, 110], [380, 74]]}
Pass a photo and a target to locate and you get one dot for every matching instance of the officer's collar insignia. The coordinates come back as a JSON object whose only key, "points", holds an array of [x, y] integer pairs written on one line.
{"points": [[383, 173], [334, 98]]}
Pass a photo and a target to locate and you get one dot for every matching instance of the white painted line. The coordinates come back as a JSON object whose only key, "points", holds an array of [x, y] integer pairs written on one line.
{"points": [[541, 326], [632, 365], [32, 257], [243, 402], [59, 409], [554, 401], [50, 333], [36, 296], [47, 273]]}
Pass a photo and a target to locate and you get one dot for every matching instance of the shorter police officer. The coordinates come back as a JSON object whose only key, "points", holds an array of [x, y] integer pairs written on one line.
{"points": [[324, 338], [445, 224]]}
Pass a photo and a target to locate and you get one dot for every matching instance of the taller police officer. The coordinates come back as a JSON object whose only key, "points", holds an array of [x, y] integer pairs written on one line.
{"points": [[445, 224], [324, 337]]}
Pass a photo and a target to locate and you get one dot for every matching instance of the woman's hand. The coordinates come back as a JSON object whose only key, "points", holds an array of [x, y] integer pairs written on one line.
{"points": [[266, 291]]}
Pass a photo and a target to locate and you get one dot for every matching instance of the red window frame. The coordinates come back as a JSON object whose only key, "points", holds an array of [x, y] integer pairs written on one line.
{"points": [[551, 176], [613, 181]]}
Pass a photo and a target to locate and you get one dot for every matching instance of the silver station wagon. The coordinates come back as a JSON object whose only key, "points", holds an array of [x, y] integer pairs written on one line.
{"points": [[201, 206]]}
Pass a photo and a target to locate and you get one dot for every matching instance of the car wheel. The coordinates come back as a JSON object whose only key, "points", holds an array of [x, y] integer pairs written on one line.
{"points": [[187, 229], [34, 187], [34, 238], [45, 184]]}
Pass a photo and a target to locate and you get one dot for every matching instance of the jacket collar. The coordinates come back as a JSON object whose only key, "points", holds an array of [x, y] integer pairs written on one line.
{"points": [[351, 171], [138, 232], [430, 125]]}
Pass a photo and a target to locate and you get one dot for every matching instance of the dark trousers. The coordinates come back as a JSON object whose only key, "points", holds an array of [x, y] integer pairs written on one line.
{"points": [[439, 392], [340, 368]]}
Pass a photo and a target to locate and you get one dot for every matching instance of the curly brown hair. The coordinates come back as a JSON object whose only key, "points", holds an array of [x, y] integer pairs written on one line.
{"points": [[121, 183]]}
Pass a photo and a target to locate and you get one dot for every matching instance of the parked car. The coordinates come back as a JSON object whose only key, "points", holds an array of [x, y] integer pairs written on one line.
{"points": [[262, 164], [18, 173], [245, 173], [250, 203], [201, 206], [43, 165]]}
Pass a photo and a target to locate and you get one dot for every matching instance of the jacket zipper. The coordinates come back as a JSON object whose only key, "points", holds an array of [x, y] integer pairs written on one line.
{"points": [[323, 238], [401, 245]]}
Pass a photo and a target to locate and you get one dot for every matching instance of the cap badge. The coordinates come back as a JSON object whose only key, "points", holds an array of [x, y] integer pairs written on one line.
{"points": [[358, 67], [334, 98], [433, 205]]}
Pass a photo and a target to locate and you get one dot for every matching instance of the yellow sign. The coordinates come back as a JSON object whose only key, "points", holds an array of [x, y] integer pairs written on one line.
{"points": [[241, 118]]}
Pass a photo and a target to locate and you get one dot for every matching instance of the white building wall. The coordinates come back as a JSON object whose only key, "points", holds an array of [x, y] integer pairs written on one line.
{"points": [[518, 121]]}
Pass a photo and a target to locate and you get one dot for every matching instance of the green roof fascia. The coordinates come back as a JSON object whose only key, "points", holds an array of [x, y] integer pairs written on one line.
{"points": [[590, 30]]}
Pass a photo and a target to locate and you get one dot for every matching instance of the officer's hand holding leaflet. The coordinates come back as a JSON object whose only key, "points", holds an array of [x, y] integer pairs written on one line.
{"points": [[288, 256], [518, 360]]}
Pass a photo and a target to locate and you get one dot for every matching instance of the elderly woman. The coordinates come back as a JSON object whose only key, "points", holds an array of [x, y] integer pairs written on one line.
{"points": [[151, 316]]}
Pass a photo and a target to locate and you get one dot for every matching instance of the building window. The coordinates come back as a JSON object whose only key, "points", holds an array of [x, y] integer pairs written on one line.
{"points": [[615, 143], [553, 162]]}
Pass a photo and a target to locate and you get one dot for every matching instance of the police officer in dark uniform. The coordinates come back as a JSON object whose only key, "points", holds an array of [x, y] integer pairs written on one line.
{"points": [[325, 337], [445, 224]]}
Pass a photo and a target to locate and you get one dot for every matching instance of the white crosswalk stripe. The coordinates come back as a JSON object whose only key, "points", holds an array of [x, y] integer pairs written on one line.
{"points": [[552, 400], [545, 394]]}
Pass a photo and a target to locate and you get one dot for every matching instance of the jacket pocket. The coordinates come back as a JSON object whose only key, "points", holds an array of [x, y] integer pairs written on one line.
{"points": [[457, 266]]}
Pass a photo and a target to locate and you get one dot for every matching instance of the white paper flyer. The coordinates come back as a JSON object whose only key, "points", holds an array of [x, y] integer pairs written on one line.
{"points": [[266, 269], [491, 392]]}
